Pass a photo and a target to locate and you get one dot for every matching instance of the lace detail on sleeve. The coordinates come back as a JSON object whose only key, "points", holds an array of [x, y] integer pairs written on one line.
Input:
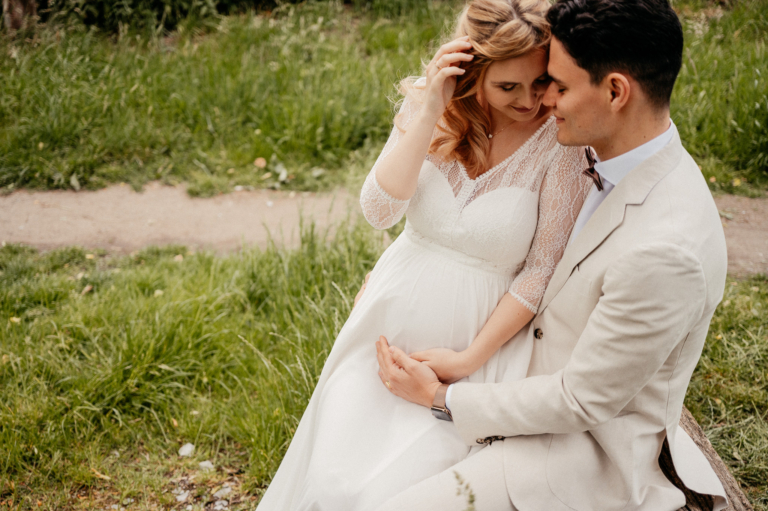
{"points": [[563, 191], [379, 208]]}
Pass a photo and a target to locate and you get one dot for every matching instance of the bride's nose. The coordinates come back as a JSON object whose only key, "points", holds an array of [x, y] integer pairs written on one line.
{"points": [[530, 99]]}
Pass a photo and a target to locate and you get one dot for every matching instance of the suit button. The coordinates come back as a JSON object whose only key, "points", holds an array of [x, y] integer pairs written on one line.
{"points": [[538, 333]]}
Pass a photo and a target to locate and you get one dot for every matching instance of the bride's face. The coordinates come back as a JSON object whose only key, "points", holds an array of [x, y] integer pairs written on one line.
{"points": [[515, 87]]}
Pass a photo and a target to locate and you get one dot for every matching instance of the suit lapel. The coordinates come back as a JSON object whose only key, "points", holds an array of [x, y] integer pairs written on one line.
{"points": [[633, 189]]}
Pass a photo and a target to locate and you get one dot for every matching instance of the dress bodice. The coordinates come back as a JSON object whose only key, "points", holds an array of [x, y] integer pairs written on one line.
{"points": [[516, 217]]}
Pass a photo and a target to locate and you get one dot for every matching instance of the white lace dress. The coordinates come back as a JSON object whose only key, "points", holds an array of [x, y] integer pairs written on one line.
{"points": [[466, 243]]}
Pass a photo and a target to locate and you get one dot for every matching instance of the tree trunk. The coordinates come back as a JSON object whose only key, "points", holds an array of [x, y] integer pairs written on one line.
{"points": [[737, 501], [19, 14]]}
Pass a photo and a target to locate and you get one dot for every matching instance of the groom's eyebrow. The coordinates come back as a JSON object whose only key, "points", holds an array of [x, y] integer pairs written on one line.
{"points": [[557, 80]]}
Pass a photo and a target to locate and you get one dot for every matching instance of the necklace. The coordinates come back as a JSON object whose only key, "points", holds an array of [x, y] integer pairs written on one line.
{"points": [[491, 135]]}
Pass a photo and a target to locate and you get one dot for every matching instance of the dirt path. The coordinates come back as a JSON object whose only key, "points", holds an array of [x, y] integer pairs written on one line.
{"points": [[120, 220]]}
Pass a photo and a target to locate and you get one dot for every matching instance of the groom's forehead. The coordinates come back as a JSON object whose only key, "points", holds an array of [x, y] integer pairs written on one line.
{"points": [[562, 67]]}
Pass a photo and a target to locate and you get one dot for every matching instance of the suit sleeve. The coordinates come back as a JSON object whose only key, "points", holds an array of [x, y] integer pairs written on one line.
{"points": [[652, 296]]}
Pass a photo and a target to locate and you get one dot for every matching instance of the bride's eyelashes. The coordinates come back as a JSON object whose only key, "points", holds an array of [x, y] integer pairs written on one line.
{"points": [[542, 81]]}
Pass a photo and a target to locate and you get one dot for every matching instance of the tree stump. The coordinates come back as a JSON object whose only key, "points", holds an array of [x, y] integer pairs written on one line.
{"points": [[19, 14], [737, 501]]}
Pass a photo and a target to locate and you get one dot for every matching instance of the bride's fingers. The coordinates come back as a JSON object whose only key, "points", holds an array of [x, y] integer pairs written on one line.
{"points": [[453, 58], [439, 78], [457, 45], [419, 355], [384, 381]]}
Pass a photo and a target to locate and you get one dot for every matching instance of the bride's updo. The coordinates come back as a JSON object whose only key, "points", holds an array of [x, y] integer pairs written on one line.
{"points": [[498, 30]]}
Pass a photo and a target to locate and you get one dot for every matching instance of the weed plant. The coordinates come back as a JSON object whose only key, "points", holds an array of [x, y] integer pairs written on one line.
{"points": [[139, 355]]}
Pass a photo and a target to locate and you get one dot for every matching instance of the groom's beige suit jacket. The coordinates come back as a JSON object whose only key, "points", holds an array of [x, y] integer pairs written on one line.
{"points": [[618, 334]]}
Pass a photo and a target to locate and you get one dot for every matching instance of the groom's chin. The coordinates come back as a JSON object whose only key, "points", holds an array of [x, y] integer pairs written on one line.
{"points": [[565, 138]]}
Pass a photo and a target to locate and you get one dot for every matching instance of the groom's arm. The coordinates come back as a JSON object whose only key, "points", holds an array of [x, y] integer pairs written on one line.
{"points": [[652, 296]]}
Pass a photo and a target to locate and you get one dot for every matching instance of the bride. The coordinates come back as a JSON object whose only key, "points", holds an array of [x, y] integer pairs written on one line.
{"points": [[490, 198]]}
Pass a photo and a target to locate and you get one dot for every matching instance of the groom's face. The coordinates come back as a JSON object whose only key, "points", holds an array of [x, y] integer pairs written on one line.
{"points": [[581, 107]]}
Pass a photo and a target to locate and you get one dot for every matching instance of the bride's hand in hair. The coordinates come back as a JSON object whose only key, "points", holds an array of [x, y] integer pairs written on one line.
{"points": [[442, 71], [448, 365]]}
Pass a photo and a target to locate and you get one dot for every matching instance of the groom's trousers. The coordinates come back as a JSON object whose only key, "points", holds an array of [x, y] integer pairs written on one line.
{"points": [[481, 473]]}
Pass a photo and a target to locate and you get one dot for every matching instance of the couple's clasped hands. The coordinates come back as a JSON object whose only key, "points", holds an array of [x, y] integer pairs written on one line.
{"points": [[416, 378]]}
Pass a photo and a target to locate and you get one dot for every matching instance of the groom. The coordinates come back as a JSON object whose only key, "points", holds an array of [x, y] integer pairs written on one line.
{"points": [[623, 321]]}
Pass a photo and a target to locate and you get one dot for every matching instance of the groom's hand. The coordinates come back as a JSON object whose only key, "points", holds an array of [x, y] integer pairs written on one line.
{"points": [[407, 378]]}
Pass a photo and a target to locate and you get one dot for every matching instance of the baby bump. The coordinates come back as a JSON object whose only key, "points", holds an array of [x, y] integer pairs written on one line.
{"points": [[425, 299]]}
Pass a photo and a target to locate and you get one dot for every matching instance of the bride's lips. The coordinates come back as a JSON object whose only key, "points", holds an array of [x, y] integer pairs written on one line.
{"points": [[559, 120], [522, 110]]}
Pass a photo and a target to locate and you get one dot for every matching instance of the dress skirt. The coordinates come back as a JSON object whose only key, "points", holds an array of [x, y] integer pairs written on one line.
{"points": [[357, 444]]}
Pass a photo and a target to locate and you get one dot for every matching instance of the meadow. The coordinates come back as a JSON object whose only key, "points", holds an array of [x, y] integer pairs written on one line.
{"points": [[305, 91], [109, 364]]}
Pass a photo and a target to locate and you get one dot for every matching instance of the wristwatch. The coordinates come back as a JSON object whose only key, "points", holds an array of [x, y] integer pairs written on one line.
{"points": [[439, 410]]}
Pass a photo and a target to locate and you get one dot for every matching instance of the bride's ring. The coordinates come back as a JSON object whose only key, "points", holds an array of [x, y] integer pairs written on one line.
{"points": [[438, 66], [388, 385]]}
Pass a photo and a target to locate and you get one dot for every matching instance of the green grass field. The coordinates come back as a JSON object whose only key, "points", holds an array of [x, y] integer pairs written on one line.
{"points": [[306, 88], [108, 365]]}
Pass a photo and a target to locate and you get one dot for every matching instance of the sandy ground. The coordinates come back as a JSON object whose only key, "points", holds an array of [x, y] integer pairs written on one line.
{"points": [[120, 220]]}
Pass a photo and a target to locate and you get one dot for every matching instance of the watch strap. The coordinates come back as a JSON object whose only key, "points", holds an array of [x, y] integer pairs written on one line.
{"points": [[439, 409]]}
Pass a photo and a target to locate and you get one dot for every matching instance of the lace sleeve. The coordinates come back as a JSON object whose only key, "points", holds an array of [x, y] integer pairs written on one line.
{"points": [[563, 191], [379, 208]]}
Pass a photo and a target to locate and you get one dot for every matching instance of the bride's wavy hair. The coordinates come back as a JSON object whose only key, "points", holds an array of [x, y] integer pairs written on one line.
{"points": [[498, 30]]}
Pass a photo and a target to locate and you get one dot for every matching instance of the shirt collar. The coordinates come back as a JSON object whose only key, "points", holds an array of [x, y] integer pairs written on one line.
{"points": [[615, 169]]}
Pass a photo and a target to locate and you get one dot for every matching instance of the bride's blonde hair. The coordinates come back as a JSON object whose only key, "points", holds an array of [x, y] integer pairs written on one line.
{"points": [[498, 30]]}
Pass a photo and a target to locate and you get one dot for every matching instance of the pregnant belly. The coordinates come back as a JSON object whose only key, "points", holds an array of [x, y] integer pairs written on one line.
{"points": [[424, 298]]}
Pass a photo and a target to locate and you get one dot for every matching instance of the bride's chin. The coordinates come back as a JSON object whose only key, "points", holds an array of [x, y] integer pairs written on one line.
{"points": [[523, 117]]}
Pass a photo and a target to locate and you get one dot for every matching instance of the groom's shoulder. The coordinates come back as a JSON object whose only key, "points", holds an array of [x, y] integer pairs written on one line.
{"points": [[680, 210]]}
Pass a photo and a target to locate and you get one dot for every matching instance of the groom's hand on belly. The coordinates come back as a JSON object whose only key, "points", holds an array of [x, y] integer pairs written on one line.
{"points": [[406, 378]]}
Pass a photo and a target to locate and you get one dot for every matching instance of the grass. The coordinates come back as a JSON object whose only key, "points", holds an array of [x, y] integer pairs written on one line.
{"points": [[721, 98], [305, 88], [141, 354], [302, 87], [108, 365]]}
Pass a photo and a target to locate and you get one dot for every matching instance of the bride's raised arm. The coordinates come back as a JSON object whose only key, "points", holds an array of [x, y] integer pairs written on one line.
{"points": [[563, 191], [380, 208], [393, 179]]}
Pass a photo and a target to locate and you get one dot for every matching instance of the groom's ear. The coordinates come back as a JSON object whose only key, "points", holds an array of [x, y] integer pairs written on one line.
{"points": [[619, 87]]}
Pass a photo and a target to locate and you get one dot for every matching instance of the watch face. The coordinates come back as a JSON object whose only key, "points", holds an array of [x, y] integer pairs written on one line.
{"points": [[441, 414]]}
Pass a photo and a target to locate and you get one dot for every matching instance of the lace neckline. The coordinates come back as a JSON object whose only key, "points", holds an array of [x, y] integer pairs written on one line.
{"points": [[506, 160]]}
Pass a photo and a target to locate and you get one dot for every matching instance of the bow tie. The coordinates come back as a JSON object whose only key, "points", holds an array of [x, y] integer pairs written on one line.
{"points": [[591, 172]]}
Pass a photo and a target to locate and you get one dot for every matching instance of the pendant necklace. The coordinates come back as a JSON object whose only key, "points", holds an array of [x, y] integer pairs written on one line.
{"points": [[490, 135]]}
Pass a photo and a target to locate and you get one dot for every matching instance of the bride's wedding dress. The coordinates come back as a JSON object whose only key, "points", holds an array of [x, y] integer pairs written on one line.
{"points": [[466, 243]]}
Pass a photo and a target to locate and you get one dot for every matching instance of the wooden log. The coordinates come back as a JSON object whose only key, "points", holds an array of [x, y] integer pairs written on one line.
{"points": [[737, 501]]}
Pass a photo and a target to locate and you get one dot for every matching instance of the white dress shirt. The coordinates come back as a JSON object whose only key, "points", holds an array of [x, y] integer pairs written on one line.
{"points": [[612, 172]]}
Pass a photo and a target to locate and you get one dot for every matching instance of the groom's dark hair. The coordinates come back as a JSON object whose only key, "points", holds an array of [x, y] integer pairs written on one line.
{"points": [[642, 38]]}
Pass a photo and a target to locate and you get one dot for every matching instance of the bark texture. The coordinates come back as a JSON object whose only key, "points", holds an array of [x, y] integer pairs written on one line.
{"points": [[19, 14], [737, 501]]}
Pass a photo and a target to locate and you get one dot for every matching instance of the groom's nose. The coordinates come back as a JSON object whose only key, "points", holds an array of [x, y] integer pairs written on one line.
{"points": [[550, 95]]}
